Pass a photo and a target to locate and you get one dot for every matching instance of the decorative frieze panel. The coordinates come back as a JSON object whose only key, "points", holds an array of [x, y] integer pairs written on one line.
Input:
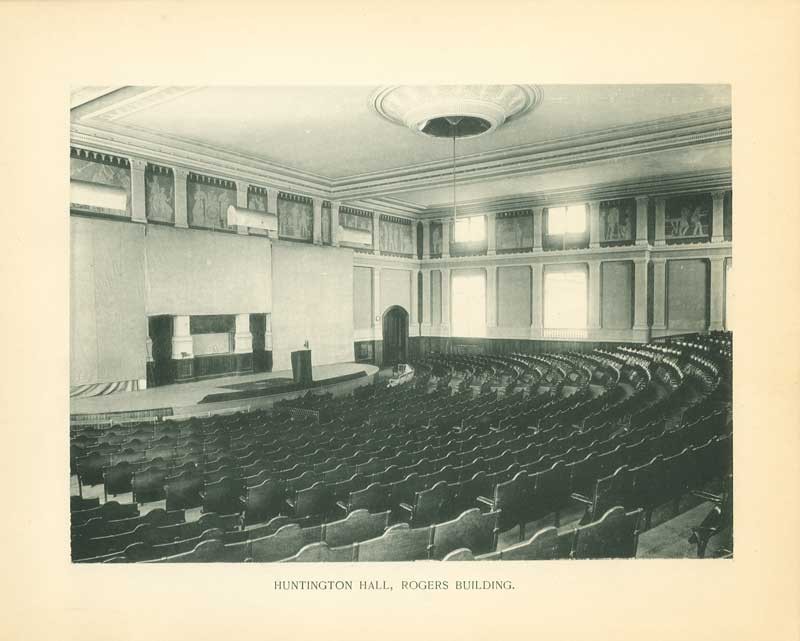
{"points": [[208, 201], [160, 194], [617, 222], [514, 230], [436, 239], [355, 226], [396, 236], [295, 217], [101, 169], [688, 219], [256, 198]]}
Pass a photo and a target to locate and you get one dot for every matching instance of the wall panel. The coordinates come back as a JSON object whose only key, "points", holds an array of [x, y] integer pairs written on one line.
{"points": [[362, 297], [687, 294], [313, 289], [514, 296], [617, 295], [108, 326], [395, 289], [436, 297]]}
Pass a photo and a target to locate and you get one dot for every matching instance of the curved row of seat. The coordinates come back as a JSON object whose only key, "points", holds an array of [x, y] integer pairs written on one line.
{"points": [[424, 456]]}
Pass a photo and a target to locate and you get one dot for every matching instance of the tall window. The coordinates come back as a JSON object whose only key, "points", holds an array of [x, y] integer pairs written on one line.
{"points": [[566, 220], [565, 300], [468, 302], [470, 230]]}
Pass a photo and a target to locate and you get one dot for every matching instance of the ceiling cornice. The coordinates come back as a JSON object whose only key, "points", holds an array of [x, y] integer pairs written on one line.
{"points": [[192, 156], [714, 127], [659, 186]]}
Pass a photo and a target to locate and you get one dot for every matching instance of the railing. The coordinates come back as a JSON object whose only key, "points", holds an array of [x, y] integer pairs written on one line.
{"points": [[565, 333]]}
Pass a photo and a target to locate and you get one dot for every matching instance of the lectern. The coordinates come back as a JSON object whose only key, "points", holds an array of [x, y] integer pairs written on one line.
{"points": [[301, 367]]}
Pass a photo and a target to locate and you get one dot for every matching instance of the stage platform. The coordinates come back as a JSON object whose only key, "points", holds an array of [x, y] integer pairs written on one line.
{"points": [[235, 393]]}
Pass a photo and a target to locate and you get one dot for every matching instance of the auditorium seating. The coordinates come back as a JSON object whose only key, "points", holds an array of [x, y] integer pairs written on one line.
{"points": [[631, 428]]}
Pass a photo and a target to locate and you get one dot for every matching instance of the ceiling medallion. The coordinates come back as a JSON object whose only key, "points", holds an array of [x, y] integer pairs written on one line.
{"points": [[480, 109]]}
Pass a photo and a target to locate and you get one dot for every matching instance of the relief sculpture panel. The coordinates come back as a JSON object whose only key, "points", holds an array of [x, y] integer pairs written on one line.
{"points": [[617, 220], [208, 205], [295, 219], [160, 196], [113, 175], [514, 232], [396, 237]]}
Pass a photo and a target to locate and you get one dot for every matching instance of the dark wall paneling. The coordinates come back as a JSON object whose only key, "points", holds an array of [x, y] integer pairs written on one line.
{"points": [[421, 345]]}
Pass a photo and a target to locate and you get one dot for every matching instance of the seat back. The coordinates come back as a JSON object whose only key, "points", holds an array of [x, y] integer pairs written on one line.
{"points": [[398, 543], [321, 552], [314, 502], [511, 498], [373, 498], [359, 525], [430, 505], [542, 546], [614, 535], [117, 478], [284, 543], [551, 491], [614, 489], [264, 501], [473, 529], [224, 496], [184, 491], [148, 484]]}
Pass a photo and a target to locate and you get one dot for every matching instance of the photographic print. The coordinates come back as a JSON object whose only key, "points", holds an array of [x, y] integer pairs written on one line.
{"points": [[402, 323]]}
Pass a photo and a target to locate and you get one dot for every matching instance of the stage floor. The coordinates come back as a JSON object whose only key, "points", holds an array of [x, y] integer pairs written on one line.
{"points": [[184, 398]]}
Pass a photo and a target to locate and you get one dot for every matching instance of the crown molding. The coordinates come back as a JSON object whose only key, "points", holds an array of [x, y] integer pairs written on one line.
{"points": [[194, 157], [658, 186], [94, 128], [709, 127]]}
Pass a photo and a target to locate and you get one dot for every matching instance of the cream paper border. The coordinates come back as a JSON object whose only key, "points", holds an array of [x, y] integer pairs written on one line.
{"points": [[48, 47]]}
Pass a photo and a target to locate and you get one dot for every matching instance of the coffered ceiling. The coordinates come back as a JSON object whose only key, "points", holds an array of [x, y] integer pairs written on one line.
{"points": [[329, 141]]}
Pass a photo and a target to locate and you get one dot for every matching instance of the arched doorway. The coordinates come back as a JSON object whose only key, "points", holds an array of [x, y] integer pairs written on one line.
{"points": [[395, 336]]}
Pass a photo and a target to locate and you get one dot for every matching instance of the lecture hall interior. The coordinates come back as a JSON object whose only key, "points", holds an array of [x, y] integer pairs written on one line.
{"points": [[400, 323]]}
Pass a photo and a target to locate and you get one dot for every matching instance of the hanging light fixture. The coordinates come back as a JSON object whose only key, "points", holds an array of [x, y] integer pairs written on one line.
{"points": [[454, 122]]}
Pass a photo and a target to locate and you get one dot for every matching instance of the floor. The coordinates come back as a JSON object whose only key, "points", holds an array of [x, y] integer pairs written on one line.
{"points": [[184, 397]]}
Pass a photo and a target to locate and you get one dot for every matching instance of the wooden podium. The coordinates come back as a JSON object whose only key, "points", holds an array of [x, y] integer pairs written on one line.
{"points": [[301, 367]]}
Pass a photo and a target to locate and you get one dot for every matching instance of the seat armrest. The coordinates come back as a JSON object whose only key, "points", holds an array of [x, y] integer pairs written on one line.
{"points": [[581, 498], [408, 508], [708, 496], [485, 501], [343, 506]]}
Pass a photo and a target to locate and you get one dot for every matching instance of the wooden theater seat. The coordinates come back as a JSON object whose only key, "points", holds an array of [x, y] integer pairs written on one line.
{"points": [[472, 529]]}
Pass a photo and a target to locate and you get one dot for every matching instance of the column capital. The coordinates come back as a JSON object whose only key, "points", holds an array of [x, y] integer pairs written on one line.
{"points": [[639, 260], [242, 185], [642, 200], [718, 194], [180, 173], [658, 260], [335, 205], [137, 164], [316, 201]]}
